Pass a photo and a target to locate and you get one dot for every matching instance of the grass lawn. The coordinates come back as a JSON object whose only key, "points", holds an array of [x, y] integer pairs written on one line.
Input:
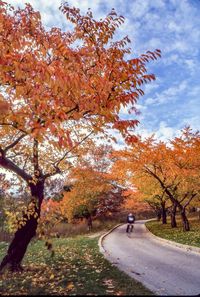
{"points": [[191, 237], [77, 268]]}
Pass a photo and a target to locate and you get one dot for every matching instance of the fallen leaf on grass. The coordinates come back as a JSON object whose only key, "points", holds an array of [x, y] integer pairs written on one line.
{"points": [[70, 286], [52, 276]]}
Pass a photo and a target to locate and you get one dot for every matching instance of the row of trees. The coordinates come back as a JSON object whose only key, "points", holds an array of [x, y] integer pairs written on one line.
{"points": [[163, 176], [166, 175]]}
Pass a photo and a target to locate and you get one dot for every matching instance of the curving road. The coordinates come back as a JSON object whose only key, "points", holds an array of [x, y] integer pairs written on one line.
{"points": [[163, 268]]}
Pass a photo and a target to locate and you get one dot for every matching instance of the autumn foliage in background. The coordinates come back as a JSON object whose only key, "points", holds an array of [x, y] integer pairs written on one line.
{"points": [[165, 175]]}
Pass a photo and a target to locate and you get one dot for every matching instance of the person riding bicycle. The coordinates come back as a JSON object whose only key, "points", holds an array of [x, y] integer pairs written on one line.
{"points": [[130, 221]]}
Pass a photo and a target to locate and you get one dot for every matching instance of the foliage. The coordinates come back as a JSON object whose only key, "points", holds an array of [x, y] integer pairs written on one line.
{"points": [[156, 168], [93, 191], [134, 201], [50, 90]]}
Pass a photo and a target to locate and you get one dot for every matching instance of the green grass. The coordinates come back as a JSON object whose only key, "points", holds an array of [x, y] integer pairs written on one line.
{"points": [[77, 268], [191, 237]]}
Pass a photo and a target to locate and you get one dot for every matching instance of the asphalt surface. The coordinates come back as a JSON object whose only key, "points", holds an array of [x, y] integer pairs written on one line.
{"points": [[164, 269]]}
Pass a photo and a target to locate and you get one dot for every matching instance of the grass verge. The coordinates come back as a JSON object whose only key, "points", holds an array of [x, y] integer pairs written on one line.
{"points": [[165, 231], [77, 268]]}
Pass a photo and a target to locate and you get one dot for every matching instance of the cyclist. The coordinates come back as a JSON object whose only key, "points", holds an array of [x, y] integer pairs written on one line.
{"points": [[130, 221]]}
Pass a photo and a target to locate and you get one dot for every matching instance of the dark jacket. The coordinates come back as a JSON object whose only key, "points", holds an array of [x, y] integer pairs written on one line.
{"points": [[130, 219]]}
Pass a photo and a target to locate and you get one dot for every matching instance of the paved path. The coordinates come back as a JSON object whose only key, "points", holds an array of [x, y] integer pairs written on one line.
{"points": [[164, 269]]}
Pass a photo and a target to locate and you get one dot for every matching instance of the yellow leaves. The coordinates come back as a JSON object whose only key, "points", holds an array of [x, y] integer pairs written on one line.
{"points": [[34, 180], [70, 286], [51, 276]]}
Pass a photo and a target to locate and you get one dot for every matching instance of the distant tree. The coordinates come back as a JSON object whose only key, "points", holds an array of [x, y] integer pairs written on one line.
{"points": [[94, 192]]}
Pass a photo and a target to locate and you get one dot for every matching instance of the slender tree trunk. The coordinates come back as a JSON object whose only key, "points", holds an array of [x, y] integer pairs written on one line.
{"points": [[25, 232], [186, 225], [89, 222], [164, 213], [173, 216], [158, 214]]}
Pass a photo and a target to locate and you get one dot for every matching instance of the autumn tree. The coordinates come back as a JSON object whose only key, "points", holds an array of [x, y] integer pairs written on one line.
{"points": [[94, 192], [134, 202], [151, 193], [173, 168], [53, 95]]}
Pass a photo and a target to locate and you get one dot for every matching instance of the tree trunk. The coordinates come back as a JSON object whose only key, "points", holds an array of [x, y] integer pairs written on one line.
{"points": [[158, 214], [89, 222], [186, 225], [173, 216], [25, 232], [164, 214]]}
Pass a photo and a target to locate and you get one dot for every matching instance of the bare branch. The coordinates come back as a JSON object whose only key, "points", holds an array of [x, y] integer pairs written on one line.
{"points": [[189, 200], [65, 155], [14, 143], [35, 156], [14, 125], [9, 165]]}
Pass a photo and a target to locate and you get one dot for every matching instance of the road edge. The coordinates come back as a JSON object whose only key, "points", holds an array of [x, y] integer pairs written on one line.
{"points": [[100, 241], [186, 247]]}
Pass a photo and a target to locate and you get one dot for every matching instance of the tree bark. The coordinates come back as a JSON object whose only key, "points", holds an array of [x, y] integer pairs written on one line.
{"points": [[25, 232], [173, 216], [186, 225], [89, 222], [164, 213], [158, 215]]}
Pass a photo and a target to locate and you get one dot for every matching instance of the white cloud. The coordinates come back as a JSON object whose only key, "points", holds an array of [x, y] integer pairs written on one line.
{"points": [[165, 132], [167, 95]]}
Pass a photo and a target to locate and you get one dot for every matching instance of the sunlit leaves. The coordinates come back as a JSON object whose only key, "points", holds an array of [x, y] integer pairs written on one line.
{"points": [[163, 172]]}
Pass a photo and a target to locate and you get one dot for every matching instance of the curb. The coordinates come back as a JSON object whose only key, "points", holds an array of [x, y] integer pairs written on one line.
{"points": [[100, 244], [186, 247]]}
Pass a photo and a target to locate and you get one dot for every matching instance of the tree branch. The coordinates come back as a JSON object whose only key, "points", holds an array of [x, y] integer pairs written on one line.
{"points": [[14, 125], [35, 157], [56, 164], [187, 203], [64, 156], [9, 165], [14, 143]]}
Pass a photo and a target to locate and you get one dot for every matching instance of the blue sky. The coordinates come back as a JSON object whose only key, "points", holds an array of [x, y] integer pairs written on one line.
{"points": [[173, 26]]}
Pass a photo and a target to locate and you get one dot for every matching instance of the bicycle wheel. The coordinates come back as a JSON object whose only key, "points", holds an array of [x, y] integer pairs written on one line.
{"points": [[128, 228], [131, 227]]}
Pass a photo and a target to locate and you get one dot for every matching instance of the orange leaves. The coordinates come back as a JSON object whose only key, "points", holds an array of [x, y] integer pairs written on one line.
{"points": [[95, 78], [69, 139], [157, 169], [150, 56], [64, 85], [19, 91], [124, 124], [131, 139], [65, 140], [4, 106]]}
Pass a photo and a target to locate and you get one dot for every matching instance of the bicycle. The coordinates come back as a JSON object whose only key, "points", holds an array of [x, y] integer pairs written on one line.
{"points": [[129, 228]]}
